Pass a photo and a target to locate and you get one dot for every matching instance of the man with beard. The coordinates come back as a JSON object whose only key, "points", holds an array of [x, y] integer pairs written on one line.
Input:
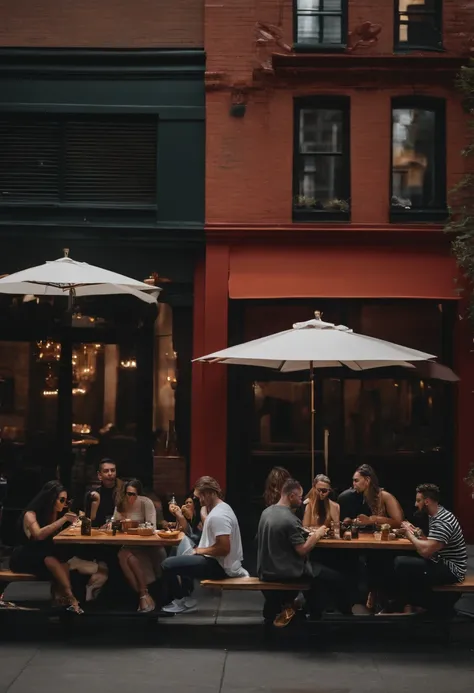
{"points": [[442, 556], [283, 550], [218, 555]]}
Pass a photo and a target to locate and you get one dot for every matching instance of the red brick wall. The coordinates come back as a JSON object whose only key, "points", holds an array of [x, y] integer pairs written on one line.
{"points": [[249, 160], [101, 23]]}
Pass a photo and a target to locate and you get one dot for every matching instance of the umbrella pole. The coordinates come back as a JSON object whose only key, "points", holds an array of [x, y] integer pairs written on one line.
{"points": [[64, 421], [313, 412]]}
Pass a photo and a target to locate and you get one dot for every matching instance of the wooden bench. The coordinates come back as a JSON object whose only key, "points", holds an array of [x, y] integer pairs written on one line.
{"points": [[465, 587], [253, 584], [7, 576]]}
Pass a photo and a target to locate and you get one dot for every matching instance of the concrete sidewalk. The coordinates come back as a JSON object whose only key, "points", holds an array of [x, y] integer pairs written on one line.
{"points": [[221, 649]]}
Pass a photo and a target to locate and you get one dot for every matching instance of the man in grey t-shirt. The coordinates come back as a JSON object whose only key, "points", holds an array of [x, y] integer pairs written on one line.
{"points": [[283, 549]]}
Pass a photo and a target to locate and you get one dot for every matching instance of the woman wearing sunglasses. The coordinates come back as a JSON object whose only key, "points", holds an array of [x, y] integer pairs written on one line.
{"points": [[140, 566], [44, 517], [320, 509]]}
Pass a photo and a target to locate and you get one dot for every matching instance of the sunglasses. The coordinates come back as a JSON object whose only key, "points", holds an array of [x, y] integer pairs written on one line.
{"points": [[130, 493], [62, 500], [323, 490]]}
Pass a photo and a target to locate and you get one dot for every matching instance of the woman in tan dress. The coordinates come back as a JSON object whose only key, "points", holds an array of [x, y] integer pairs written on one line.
{"points": [[140, 565]]}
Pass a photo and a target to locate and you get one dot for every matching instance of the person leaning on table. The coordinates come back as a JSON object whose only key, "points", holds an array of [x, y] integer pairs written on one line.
{"points": [[283, 551], [442, 555]]}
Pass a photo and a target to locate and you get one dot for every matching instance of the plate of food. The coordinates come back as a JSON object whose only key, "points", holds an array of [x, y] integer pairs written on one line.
{"points": [[168, 533]]}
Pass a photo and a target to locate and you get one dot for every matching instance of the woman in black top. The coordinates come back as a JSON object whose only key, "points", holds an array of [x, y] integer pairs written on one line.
{"points": [[43, 518]]}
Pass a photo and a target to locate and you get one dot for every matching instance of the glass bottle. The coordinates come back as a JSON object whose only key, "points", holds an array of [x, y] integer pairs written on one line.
{"points": [[86, 526]]}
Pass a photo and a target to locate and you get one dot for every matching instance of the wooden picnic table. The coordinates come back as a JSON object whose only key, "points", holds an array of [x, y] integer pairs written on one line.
{"points": [[365, 541], [72, 535]]}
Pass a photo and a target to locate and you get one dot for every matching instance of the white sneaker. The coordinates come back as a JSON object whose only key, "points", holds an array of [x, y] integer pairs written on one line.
{"points": [[180, 606]]}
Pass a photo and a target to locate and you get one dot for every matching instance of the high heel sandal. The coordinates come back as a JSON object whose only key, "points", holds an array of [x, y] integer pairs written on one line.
{"points": [[71, 605], [149, 604]]}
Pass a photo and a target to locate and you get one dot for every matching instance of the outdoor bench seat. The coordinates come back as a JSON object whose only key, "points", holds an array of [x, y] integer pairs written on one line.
{"points": [[459, 587], [253, 584], [7, 576]]}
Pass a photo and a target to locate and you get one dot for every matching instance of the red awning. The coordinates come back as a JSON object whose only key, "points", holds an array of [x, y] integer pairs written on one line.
{"points": [[340, 272]]}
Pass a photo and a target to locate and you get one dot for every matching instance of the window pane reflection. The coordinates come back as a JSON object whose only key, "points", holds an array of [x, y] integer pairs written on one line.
{"points": [[319, 21], [413, 158], [390, 416], [419, 23], [282, 416]]}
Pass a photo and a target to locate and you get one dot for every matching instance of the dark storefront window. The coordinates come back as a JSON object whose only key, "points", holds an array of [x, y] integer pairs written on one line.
{"points": [[399, 421], [322, 171], [418, 159], [418, 24], [78, 161], [320, 23], [125, 384]]}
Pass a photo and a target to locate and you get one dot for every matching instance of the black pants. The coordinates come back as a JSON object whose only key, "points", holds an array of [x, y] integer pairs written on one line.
{"points": [[191, 568], [328, 586], [413, 578]]}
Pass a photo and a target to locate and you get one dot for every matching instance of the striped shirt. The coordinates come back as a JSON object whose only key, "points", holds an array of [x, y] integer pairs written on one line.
{"points": [[445, 528]]}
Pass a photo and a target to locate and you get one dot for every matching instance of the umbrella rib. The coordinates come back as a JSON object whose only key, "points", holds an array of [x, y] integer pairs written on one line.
{"points": [[280, 367]]}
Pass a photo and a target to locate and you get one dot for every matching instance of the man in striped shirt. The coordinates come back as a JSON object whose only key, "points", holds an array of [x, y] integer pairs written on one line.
{"points": [[442, 556]]}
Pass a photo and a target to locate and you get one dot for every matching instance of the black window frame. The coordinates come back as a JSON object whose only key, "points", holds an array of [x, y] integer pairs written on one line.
{"points": [[342, 103], [439, 213], [405, 46], [305, 47]]}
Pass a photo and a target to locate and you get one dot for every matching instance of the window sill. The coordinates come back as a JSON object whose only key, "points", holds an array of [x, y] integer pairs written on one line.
{"points": [[408, 48], [411, 216], [317, 215], [319, 47]]}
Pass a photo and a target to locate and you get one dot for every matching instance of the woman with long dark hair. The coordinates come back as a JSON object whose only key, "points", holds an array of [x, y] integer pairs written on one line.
{"points": [[385, 509], [140, 565], [274, 483], [41, 520], [383, 505], [320, 509]]}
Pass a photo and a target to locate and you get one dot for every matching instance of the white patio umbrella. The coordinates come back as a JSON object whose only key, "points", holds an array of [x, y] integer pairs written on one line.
{"points": [[66, 277], [317, 344]]}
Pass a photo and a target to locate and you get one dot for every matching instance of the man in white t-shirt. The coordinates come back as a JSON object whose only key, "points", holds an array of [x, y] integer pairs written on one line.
{"points": [[219, 554]]}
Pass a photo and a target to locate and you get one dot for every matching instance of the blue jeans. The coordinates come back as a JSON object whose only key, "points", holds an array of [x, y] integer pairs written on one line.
{"points": [[191, 568]]}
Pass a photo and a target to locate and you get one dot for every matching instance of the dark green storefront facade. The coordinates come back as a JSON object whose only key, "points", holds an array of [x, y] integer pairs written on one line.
{"points": [[102, 152]]}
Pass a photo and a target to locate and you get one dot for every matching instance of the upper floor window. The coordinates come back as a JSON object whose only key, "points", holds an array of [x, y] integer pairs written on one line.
{"points": [[418, 159], [320, 23], [418, 24], [321, 165], [78, 160]]}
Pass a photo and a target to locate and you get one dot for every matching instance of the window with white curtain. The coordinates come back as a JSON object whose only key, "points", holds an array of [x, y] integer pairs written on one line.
{"points": [[320, 22]]}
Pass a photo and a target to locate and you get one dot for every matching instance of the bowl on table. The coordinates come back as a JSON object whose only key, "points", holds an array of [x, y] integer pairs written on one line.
{"points": [[145, 531], [168, 533], [133, 530], [129, 524]]}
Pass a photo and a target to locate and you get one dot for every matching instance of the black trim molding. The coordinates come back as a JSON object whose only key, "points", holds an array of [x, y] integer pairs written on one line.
{"points": [[80, 62]]}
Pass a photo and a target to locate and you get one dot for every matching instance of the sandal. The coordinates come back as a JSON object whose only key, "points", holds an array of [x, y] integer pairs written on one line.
{"points": [[147, 604], [284, 618], [71, 604]]}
